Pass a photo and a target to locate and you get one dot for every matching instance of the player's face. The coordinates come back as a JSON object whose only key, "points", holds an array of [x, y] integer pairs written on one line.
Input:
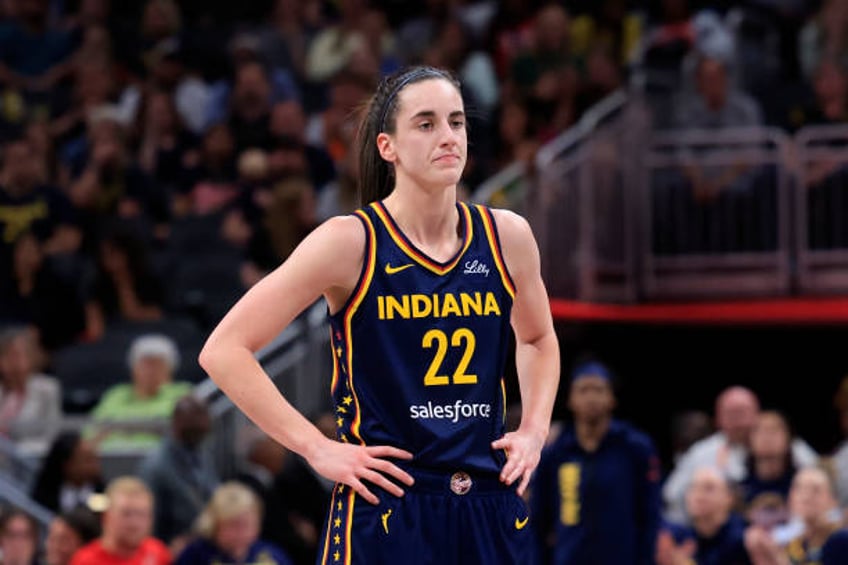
{"points": [[429, 144]]}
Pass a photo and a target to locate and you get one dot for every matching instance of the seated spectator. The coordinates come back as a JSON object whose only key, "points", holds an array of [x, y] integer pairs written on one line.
{"points": [[133, 414], [125, 287], [68, 532], [30, 402], [687, 428], [69, 474], [166, 148], [812, 501], [715, 102], [296, 506], [765, 489], [736, 414], [262, 464], [39, 295], [127, 525], [110, 184], [179, 474], [29, 204], [716, 535], [229, 531], [211, 183], [18, 538]]}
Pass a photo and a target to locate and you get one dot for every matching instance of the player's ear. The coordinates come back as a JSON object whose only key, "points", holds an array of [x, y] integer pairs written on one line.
{"points": [[386, 147]]}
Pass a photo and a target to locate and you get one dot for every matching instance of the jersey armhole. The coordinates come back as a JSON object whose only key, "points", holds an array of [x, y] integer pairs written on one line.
{"points": [[368, 258], [495, 244]]}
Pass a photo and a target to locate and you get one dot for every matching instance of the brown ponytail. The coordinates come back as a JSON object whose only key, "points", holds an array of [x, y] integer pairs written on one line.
{"points": [[376, 176]]}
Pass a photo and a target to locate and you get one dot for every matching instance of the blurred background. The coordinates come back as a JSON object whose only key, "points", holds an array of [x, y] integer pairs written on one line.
{"points": [[683, 163]]}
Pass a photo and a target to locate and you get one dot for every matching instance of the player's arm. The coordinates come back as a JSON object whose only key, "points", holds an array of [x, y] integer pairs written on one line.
{"points": [[537, 349], [327, 262]]}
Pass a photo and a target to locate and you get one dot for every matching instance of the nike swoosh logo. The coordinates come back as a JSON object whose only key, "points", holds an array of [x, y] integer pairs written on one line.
{"points": [[519, 524], [392, 270]]}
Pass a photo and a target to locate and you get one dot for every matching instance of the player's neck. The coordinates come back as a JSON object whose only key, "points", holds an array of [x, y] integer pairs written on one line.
{"points": [[428, 218]]}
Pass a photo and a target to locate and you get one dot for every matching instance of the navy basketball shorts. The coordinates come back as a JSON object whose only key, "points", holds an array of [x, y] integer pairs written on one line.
{"points": [[444, 519]]}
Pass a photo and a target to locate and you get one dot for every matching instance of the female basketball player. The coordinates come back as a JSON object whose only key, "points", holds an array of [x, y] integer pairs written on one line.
{"points": [[421, 291]]}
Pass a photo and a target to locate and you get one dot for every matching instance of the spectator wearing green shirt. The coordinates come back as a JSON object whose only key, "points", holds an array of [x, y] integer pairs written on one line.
{"points": [[135, 415]]}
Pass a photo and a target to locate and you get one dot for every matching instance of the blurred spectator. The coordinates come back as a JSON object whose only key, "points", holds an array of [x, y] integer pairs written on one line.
{"points": [[824, 37], [335, 127], [687, 428], [229, 531], [611, 27], [288, 127], [476, 71], [135, 414], [166, 148], [262, 463], [736, 415], [31, 52], [19, 538], [717, 534], [511, 32], [69, 474], [812, 501], [544, 74], [127, 525], [715, 102], [296, 507], [125, 287], [30, 402], [38, 294], [211, 184], [830, 88], [840, 455], [112, 185], [250, 107], [285, 39], [595, 498], [340, 196], [419, 33], [180, 475], [516, 140], [346, 45], [765, 489], [29, 204], [68, 532]]}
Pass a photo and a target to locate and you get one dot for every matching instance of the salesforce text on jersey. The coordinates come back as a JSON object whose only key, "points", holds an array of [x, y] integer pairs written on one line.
{"points": [[452, 412]]}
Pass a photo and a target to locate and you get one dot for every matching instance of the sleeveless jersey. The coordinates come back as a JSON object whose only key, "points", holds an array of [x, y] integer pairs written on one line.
{"points": [[420, 346]]}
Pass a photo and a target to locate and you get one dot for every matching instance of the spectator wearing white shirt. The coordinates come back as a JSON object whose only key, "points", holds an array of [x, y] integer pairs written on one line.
{"points": [[736, 414]]}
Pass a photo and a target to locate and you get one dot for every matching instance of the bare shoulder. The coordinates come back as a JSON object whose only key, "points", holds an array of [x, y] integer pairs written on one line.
{"points": [[336, 247], [512, 227], [517, 242]]}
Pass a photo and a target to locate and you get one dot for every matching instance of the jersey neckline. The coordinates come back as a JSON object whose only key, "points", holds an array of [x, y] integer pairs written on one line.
{"points": [[414, 253]]}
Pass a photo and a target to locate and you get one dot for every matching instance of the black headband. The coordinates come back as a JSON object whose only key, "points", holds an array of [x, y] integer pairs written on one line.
{"points": [[414, 75]]}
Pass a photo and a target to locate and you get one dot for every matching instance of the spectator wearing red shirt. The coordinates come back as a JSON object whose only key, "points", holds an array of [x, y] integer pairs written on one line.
{"points": [[127, 526]]}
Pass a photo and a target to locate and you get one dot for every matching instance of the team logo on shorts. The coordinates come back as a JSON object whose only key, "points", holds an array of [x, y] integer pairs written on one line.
{"points": [[460, 483]]}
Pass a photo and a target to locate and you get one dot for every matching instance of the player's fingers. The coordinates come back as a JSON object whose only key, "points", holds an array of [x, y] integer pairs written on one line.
{"points": [[363, 491], [525, 480], [502, 443], [507, 470], [515, 473], [388, 451], [396, 472], [382, 482]]}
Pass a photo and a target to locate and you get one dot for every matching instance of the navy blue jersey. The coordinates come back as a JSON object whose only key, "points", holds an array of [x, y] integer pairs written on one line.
{"points": [[725, 547], [419, 351], [600, 507], [420, 346]]}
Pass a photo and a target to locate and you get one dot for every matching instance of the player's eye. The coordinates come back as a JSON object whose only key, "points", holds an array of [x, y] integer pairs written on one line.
{"points": [[458, 124], [425, 126]]}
